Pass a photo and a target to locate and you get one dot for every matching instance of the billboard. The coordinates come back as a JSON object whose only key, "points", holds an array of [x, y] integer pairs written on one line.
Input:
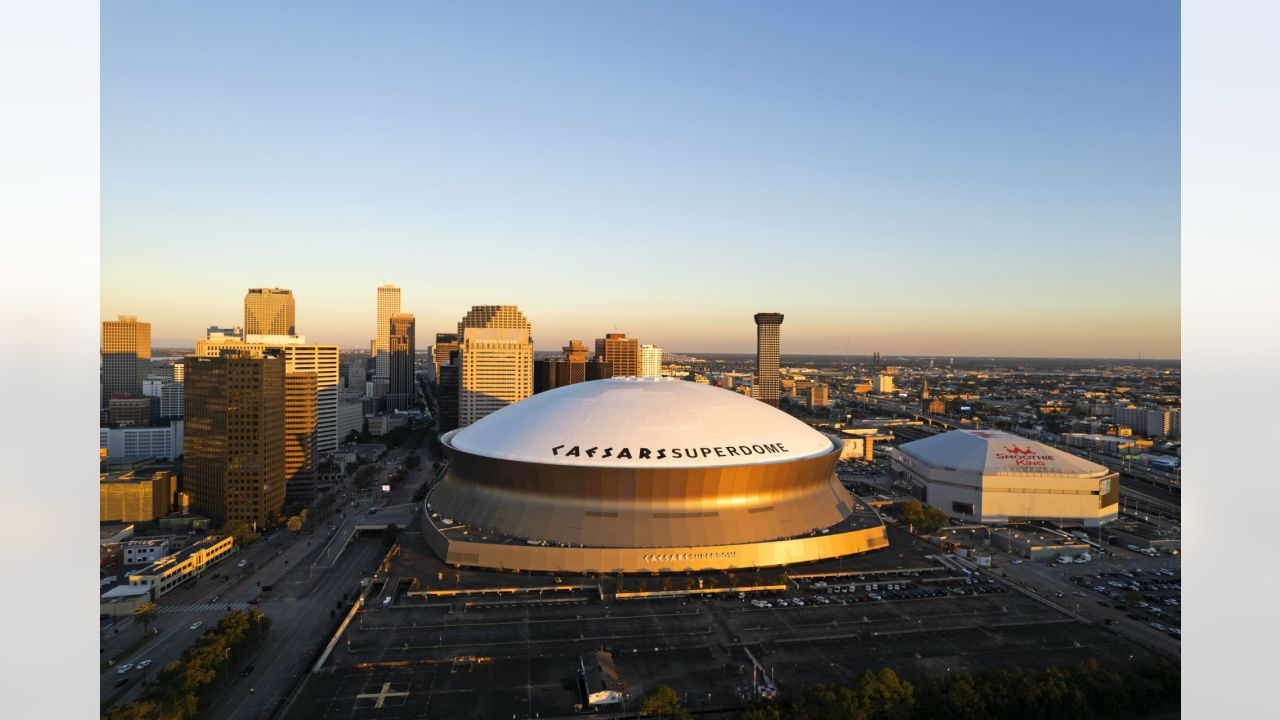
{"points": [[386, 488]]}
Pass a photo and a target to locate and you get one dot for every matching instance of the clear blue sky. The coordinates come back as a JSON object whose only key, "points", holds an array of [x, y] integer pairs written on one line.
{"points": [[951, 178]]}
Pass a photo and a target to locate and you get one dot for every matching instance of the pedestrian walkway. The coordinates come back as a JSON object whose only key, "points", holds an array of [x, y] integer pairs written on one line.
{"points": [[199, 607]]}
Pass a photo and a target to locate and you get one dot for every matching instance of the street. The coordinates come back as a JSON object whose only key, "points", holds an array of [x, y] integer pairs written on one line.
{"points": [[303, 594]]}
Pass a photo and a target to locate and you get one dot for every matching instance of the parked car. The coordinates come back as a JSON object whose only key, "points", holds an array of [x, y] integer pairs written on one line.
{"points": [[124, 668], [143, 665]]}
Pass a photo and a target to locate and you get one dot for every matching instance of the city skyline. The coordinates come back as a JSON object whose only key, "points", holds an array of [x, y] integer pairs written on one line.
{"points": [[917, 183]]}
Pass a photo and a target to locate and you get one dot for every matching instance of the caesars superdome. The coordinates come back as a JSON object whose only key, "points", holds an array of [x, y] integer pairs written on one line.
{"points": [[642, 475]]}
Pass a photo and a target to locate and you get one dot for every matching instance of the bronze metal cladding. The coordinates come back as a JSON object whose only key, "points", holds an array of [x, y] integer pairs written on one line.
{"points": [[632, 507], [457, 549]]}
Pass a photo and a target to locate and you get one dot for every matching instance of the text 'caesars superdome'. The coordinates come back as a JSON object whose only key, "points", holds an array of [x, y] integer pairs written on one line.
{"points": [[643, 475]]}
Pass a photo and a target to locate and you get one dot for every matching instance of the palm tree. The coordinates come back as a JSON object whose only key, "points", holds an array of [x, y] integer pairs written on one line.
{"points": [[145, 612]]}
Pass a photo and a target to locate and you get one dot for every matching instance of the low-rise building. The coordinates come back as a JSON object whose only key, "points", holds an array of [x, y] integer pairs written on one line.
{"points": [[170, 571], [164, 442], [144, 551], [131, 497]]}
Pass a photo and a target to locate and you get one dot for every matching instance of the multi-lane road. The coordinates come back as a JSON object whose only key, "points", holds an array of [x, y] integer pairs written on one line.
{"points": [[302, 604]]}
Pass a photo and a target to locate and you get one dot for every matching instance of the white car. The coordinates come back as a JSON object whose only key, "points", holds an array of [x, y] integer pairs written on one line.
{"points": [[124, 668], [143, 665], [242, 563], [197, 625]]}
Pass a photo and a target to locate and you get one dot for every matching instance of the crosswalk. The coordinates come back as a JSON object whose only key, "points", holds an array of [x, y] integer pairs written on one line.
{"points": [[199, 607]]}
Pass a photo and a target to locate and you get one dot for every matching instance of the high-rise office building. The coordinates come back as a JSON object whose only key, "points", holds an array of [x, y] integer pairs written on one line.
{"points": [[442, 353], [650, 361], [620, 352], [544, 374], [269, 311], [357, 374], [167, 393], [505, 317], [126, 356], [388, 305], [576, 352], [495, 370], [557, 372], [400, 385], [598, 369], [300, 436], [234, 463], [447, 391], [299, 356], [767, 384]]}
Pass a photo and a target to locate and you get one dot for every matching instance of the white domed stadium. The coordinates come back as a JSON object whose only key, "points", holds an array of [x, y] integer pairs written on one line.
{"points": [[990, 476], [643, 475]]}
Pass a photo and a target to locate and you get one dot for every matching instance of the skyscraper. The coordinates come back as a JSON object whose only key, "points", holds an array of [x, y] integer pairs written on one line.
{"points": [[650, 361], [766, 387], [620, 352], [300, 436], [400, 390], [442, 353], [269, 311], [234, 442], [388, 305], [493, 316], [126, 356], [495, 369], [299, 356]]}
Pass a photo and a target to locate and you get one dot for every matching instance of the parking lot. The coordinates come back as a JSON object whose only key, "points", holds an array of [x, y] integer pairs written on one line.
{"points": [[1153, 618], [516, 654]]}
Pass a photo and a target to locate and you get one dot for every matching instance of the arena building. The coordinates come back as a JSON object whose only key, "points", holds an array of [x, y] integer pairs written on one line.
{"points": [[643, 475], [996, 477]]}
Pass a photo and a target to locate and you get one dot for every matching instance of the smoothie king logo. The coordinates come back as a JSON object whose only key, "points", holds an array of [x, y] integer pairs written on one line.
{"points": [[1023, 457], [627, 453]]}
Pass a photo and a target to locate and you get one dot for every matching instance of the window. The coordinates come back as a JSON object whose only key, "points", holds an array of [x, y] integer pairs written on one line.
{"points": [[962, 508]]}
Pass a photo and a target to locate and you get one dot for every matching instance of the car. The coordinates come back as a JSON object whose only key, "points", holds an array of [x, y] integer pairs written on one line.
{"points": [[253, 601], [1017, 562], [1058, 594], [124, 668], [215, 598], [196, 625], [144, 664], [242, 563], [122, 682], [245, 672]]}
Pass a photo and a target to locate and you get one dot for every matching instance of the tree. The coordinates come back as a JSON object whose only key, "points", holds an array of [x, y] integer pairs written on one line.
{"points": [[663, 702], [294, 524], [241, 531], [918, 518], [390, 535], [145, 612]]}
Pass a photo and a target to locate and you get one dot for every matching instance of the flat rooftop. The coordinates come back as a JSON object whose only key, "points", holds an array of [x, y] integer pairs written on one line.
{"points": [[1037, 536]]}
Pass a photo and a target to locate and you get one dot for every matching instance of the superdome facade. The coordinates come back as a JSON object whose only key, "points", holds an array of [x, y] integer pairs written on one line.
{"points": [[643, 475], [996, 477]]}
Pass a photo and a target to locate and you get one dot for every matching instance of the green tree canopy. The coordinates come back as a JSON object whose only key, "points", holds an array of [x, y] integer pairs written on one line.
{"points": [[663, 702]]}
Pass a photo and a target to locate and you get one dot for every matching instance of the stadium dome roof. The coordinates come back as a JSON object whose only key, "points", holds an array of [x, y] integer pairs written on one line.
{"points": [[992, 452], [641, 422]]}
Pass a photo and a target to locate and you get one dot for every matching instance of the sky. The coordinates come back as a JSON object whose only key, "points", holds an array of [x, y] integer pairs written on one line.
{"points": [[913, 178]]}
